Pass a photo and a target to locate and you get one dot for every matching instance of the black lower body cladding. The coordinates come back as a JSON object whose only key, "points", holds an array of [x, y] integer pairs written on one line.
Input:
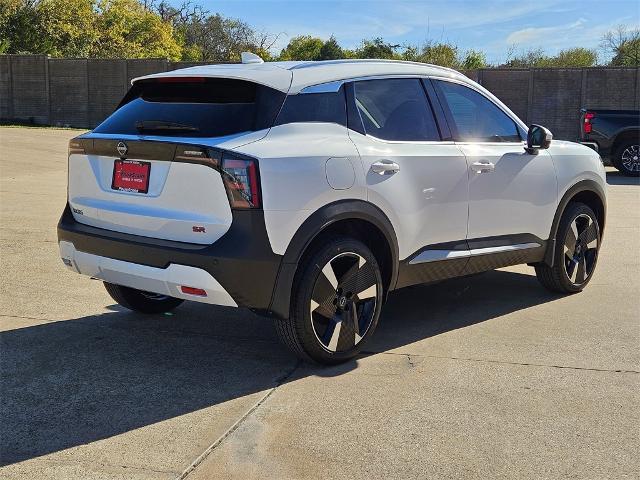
{"points": [[241, 261]]}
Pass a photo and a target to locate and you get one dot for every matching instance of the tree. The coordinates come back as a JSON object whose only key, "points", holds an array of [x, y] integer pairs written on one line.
{"points": [[575, 57], [219, 39], [70, 26], [128, 30], [532, 58], [473, 60], [303, 47], [443, 54], [331, 50], [377, 48], [86, 28], [624, 44], [21, 27]]}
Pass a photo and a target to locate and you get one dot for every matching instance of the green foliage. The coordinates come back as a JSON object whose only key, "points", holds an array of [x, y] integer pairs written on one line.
{"points": [[377, 48], [127, 29], [628, 54], [21, 28], [331, 50], [624, 45], [86, 28], [473, 60], [303, 47], [575, 57], [443, 54]]}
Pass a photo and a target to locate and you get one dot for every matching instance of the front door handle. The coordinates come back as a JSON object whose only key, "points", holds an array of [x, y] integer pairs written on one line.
{"points": [[483, 167], [385, 167]]}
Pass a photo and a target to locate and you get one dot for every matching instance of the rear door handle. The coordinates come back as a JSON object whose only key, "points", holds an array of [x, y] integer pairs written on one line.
{"points": [[385, 167], [483, 167]]}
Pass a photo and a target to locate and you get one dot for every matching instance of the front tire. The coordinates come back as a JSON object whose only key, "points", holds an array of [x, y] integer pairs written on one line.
{"points": [[335, 304], [626, 158], [139, 301], [576, 251]]}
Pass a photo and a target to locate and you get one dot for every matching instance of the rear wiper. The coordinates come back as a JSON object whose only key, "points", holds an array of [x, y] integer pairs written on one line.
{"points": [[155, 125]]}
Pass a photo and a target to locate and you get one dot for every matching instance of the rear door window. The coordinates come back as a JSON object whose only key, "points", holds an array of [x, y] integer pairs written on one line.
{"points": [[475, 118], [194, 107], [396, 109]]}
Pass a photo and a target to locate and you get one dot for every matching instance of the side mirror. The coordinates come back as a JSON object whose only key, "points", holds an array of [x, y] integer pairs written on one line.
{"points": [[538, 138]]}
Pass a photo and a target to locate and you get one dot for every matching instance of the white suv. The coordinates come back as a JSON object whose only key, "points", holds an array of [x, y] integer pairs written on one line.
{"points": [[307, 191]]}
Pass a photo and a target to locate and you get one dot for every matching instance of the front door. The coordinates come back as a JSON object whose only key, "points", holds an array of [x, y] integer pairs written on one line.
{"points": [[512, 194]]}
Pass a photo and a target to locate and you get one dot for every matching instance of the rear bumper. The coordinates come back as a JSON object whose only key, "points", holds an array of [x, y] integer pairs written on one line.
{"points": [[166, 281], [239, 269]]}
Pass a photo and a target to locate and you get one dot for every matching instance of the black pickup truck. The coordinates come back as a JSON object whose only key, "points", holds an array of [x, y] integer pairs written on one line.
{"points": [[616, 136]]}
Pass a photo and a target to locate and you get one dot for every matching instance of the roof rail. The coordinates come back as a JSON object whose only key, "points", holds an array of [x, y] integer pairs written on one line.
{"points": [[312, 63]]}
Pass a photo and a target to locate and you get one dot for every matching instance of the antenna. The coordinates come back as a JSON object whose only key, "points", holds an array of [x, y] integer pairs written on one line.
{"points": [[248, 57]]}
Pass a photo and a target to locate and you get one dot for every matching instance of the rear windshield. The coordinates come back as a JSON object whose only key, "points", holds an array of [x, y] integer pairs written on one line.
{"points": [[194, 107]]}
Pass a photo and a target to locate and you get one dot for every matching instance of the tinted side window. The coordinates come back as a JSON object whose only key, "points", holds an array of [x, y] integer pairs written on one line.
{"points": [[396, 109], [475, 117], [314, 107]]}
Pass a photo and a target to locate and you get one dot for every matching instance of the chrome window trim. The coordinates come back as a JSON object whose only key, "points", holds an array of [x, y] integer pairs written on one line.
{"points": [[334, 86]]}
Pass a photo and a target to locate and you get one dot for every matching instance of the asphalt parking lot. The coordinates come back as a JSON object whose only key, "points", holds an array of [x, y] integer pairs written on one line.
{"points": [[482, 377]]}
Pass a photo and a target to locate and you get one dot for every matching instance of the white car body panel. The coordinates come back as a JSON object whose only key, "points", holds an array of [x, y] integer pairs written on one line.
{"points": [[427, 199], [169, 211], [519, 194], [573, 163], [272, 74], [293, 160]]}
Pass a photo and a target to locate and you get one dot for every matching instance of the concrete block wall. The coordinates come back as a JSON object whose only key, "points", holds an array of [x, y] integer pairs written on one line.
{"points": [[83, 92]]}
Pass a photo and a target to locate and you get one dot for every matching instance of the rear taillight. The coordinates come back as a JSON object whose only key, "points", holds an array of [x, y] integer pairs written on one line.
{"points": [[587, 126], [241, 180]]}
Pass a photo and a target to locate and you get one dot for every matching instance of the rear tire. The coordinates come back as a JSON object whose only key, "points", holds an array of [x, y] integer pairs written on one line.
{"points": [[140, 301], [626, 158], [576, 251], [335, 304]]}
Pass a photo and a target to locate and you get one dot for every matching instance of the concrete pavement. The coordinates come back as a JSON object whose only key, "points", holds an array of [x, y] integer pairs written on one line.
{"points": [[483, 377]]}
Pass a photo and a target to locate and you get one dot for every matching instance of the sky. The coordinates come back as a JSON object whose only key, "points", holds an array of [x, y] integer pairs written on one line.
{"points": [[489, 25]]}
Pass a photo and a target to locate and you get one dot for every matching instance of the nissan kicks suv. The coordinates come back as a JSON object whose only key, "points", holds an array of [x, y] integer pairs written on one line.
{"points": [[307, 191]]}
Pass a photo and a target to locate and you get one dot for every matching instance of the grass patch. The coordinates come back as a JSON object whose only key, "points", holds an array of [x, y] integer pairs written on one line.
{"points": [[40, 127]]}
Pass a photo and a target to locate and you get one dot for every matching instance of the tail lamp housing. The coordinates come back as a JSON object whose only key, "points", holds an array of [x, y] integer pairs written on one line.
{"points": [[587, 126], [240, 176]]}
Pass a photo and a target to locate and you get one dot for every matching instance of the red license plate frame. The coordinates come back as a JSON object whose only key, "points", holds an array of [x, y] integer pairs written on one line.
{"points": [[131, 176]]}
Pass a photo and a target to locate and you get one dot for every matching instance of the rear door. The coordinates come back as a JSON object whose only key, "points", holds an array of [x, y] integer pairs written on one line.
{"points": [[157, 167], [415, 174]]}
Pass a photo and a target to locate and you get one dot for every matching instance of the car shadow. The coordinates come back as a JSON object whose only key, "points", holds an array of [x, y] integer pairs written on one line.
{"points": [[617, 178], [73, 382]]}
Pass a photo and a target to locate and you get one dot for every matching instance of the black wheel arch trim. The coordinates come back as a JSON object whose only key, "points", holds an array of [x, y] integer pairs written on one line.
{"points": [[579, 187], [313, 226]]}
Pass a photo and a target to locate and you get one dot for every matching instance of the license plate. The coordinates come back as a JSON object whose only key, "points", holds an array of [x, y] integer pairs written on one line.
{"points": [[131, 176]]}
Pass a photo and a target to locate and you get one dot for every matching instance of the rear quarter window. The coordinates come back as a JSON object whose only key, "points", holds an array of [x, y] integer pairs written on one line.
{"points": [[194, 107], [314, 107]]}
